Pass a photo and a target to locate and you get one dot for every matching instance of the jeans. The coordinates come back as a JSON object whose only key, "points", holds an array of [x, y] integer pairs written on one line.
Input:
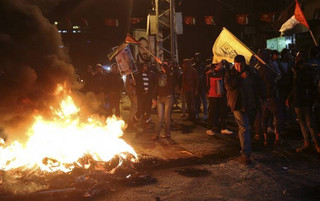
{"points": [[164, 105], [305, 118], [201, 97], [242, 119]]}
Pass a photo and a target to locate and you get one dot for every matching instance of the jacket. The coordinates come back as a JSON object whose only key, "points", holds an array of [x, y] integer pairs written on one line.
{"points": [[241, 93]]}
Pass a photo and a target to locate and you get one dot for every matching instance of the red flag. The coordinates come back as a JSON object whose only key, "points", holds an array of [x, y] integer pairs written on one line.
{"points": [[242, 19], [111, 22], [299, 15], [292, 20], [135, 20], [209, 20], [189, 20], [267, 17], [131, 40]]}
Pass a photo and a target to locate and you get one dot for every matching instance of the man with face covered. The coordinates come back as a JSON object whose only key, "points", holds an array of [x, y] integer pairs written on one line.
{"points": [[241, 98]]}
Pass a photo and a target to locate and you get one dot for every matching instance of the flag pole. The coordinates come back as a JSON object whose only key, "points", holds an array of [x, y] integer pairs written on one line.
{"points": [[154, 56], [313, 38], [132, 77]]}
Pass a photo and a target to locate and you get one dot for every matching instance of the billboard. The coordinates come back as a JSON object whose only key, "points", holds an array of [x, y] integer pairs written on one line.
{"points": [[279, 43]]}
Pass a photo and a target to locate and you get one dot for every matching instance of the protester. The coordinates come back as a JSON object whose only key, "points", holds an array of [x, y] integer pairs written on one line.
{"points": [[190, 87], [285, 83], [314, 61], [163, 98], [99, 87], [201, 96], [217, 100], [115, 89], [145, 84], [88, 80], [271, 105], [241, 100], [131, 92], [303, 94]]}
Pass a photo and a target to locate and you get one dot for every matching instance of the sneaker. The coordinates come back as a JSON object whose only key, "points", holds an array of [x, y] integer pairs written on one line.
{"points": [[210, 132], [257, 137], [270, 130], [155, 137], [226, 132], [303, 147], [245, 160], [317, 148], [205, 117]]}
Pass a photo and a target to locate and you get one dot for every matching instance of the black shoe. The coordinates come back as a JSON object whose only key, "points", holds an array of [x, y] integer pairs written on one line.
{"points": [[245, 160]]}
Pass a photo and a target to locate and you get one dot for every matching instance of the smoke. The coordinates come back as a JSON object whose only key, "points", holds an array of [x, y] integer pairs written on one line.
{"points": [[32, 62]]}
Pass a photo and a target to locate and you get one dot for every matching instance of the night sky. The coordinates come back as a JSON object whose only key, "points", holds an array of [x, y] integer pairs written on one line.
{"points": [[197, 38]]}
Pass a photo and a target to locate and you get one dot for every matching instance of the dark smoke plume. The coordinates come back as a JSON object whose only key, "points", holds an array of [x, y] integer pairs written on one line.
{"points": [[32, 62]]}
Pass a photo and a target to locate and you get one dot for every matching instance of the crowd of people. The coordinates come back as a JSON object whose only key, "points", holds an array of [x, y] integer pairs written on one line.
{"points": [[264, 95]]}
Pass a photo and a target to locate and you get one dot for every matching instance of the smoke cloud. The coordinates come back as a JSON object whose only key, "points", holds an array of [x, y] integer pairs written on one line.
{"points": [[32, 62]]}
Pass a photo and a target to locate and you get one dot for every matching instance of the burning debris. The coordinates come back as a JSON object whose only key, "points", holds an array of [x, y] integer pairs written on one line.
{"points": [[66, 148]]}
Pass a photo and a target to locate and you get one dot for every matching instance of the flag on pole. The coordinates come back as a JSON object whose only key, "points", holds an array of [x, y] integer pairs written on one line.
{"points": [[292, 19], [227, 46], [130, 40]]}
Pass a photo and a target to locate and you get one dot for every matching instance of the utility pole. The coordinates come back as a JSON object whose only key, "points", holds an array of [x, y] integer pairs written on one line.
{"points": [[166, 28]]}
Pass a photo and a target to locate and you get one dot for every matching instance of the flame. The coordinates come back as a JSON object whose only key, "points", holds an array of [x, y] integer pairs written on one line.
{"points": [[60, 144]]}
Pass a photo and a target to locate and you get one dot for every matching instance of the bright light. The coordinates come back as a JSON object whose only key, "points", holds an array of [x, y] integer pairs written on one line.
{"points": [[75, 27], [74, 31], [56, 23], [107, 68], [64, 31]]}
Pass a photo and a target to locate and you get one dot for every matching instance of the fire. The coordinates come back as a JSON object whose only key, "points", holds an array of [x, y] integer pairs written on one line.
{"points": [[62, 143]]}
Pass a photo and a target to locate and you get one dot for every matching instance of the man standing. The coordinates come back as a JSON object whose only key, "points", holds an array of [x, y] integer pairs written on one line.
{"points": [[241, 99], [190, 85], [201, 97], [163, 98], [217, 100], [115, 89], [145, 86]]}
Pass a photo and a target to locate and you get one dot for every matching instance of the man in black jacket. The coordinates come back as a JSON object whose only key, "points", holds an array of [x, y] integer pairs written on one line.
{"points": [[144, 89], [241, 96]]}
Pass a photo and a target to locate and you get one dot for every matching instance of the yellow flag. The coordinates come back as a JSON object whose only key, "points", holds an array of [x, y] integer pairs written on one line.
{"points": [[227, 47]]}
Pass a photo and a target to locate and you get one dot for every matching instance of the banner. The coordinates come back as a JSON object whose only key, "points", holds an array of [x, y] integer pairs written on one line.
{"points": [[227, 47], [125, 62]]}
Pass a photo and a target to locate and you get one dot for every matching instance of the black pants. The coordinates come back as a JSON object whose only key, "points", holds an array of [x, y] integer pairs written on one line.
{"points": [[271, 107], [217, 111], [191, 104], [144, 102], [114, 104]]}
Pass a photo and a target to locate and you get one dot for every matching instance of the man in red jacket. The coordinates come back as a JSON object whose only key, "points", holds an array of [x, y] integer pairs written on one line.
{"points": [[217, 100]]}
